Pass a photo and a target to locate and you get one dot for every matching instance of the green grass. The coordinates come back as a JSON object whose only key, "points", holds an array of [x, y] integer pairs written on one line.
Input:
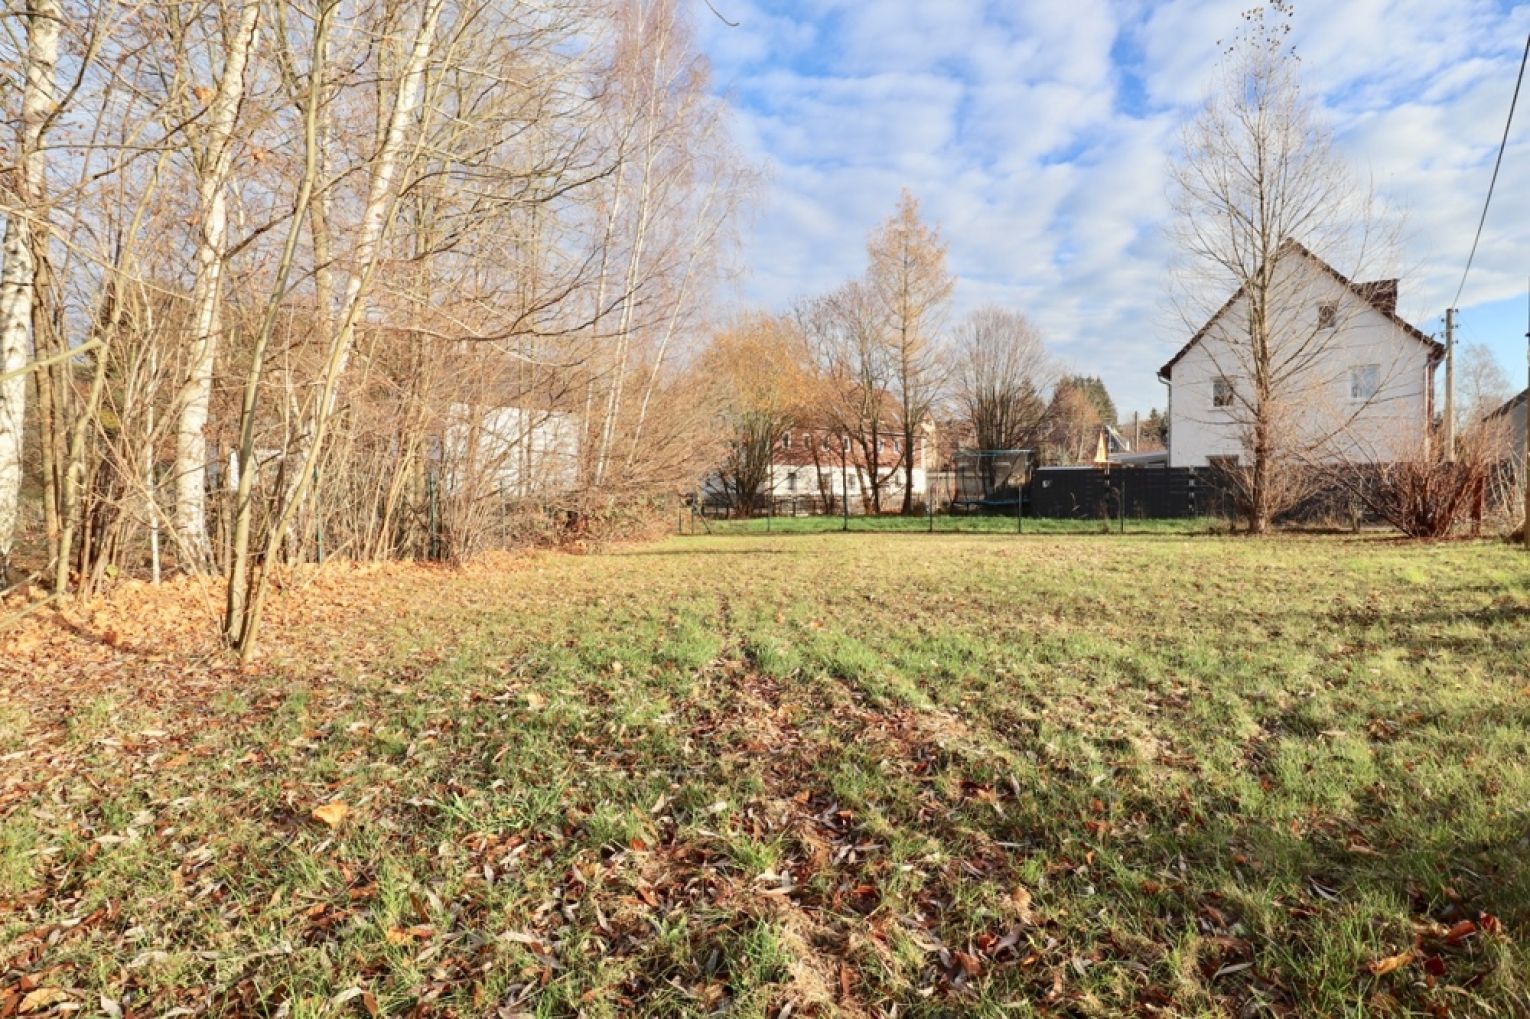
{"points": [[959, 774]]}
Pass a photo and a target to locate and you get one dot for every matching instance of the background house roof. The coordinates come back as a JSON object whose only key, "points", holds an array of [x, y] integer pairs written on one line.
{"points": [[1379, 294], [1509, 405]]}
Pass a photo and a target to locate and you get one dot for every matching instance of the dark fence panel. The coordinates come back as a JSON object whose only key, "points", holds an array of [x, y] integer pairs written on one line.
{"points": [[1084, 493]]}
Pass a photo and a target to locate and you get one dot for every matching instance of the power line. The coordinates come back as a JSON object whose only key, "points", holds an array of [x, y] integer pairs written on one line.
{"points": [[1497, 163]]}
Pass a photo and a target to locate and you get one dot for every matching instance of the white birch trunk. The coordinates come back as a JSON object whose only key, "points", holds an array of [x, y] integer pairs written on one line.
{"points": [[15, 319], [634, 265], [18, 276], [207, 299]]}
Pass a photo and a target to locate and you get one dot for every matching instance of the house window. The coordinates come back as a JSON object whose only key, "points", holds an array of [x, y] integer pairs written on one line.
{"points": [[1364, 381], [1221, 392], [1328, 315], [791, 482], [786, 441]]}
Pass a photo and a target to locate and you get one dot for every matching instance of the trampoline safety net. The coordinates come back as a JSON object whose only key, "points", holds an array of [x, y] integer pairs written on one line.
{"points": [[990, 480]]}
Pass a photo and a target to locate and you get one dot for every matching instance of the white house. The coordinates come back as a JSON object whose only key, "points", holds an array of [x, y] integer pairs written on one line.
{"points": [[1357, 381], [811, 468], [1514, 412]]}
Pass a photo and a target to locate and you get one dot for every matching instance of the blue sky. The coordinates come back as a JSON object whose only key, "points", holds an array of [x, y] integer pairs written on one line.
{"points": [[1037, 135]]}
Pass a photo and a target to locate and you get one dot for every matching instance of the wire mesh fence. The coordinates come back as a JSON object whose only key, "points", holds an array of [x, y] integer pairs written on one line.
{"points": [[983, 491]]}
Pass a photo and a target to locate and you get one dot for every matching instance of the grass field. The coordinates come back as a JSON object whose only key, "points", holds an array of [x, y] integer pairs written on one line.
{"points": [[806, 775]]}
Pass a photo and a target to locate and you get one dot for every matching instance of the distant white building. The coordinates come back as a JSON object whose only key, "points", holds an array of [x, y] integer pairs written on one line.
{"points": [[816, 470], [1362, 388], [1514, 412], [522, 451]]}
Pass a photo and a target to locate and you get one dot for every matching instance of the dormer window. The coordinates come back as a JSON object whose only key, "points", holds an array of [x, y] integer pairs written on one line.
{"points": [[786, 441], [1328, 315]]}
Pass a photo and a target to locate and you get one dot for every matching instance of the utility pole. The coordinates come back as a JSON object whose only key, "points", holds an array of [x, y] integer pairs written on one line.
{"points": [[1450, 385]]}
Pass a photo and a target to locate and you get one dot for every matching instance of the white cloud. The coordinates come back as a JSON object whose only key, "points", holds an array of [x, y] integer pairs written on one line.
{"points": [[1043, 157]]}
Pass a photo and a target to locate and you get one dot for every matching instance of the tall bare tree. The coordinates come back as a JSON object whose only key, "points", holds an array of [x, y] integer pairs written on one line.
{"points": [[908, 276], [1257, 178], [856, 374], [212, 158], [1001, 370], [1481, 383]]}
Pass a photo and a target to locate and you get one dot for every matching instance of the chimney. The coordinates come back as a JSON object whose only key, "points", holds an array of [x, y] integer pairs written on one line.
{"points": [[1381, 293]]}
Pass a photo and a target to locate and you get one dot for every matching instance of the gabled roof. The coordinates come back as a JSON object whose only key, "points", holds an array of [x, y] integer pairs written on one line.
{"points": [[1380, 295], [1509, 405]]}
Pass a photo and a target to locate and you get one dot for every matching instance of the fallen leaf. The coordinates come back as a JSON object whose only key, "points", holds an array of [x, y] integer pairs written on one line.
{"points": [[1461, 931], [331, 813], [1021, 898], [1392, 962], [41, 998]]}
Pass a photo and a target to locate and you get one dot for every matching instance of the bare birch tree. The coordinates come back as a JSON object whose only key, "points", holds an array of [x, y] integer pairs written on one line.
{"points": [[335, 278], [26, 234], [212, 158]]}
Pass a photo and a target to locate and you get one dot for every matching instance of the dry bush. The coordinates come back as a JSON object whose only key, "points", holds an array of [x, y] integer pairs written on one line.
{"points": [[1428, 495]]}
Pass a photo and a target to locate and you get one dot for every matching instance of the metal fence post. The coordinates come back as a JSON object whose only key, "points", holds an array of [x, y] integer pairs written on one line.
{"points": [[1019, 504], [1123, 502]]}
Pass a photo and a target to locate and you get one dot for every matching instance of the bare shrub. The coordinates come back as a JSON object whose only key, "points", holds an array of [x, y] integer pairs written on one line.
{"points": [[1427, 495]]}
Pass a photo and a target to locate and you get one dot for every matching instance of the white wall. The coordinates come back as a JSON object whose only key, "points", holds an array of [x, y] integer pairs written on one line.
{"points": [[807, 483], [1318, 404], [522, 452]]}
